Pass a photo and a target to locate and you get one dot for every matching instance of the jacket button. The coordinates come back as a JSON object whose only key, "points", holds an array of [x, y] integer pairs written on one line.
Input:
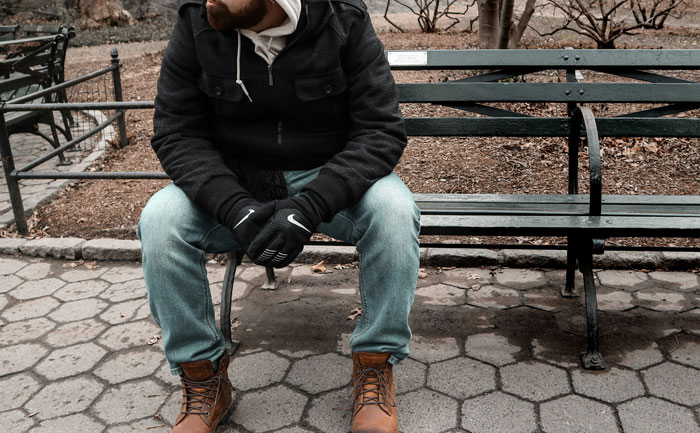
{"points": [[327, 89], [218, 91]]}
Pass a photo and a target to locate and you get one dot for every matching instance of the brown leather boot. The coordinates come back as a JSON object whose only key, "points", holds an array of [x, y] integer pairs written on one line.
{"points": [[374, 407], [206, 396]]}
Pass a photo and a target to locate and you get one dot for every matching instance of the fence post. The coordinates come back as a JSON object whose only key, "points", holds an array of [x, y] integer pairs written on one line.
{"points": [[8, 165], [116, 77]]}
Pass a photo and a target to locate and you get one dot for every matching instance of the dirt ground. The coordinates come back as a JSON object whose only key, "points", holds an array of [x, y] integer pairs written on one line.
{"points": [[96, 209]]}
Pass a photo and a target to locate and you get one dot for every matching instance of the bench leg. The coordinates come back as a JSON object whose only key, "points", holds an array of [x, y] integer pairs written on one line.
{"points": [[234, 260], [271, 283], [591, 359], [54, 143], [569, 290]]}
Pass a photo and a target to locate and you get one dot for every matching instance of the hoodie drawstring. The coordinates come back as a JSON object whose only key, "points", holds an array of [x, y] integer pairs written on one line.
{"points": [[238, 68]]}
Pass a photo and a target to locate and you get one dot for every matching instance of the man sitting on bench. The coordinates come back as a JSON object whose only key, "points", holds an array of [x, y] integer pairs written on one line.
{"points": [[276, 119]]}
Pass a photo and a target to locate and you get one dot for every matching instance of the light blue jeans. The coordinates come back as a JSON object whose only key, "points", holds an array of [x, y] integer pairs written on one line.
{"points": [[175, 236]]}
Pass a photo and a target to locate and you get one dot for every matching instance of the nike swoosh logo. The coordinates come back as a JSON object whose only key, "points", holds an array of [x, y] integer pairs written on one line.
{"points": [[250, 212], [291, 219]]}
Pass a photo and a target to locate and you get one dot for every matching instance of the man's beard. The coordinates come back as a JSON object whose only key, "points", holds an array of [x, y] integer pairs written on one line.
{"points": [[221, 18]]}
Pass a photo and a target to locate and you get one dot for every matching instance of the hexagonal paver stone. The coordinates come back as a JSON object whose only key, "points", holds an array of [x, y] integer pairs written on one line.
{"points": [[81, 290], [149, 425], [130, 365], [257, 370], [409, 375], [293, 430], [677, 280], [30, 309], [615, 301], [652, 415], [519, 379], [674, 382], [321, 373], [269, 409], [164, 374], [433, 349], [10, 266], [493, 297], [426, 411], [119, 274], [16, 390], [25, 330], [75, 275], [461, 377], [70, 361], [9, 282], [577, 414], [78, 310], [332, 412], [492, 348], [20, 357], [124, 312], [498, 413], [688, 353], [641, 358], [441, 294], [613, 385], [123, 291], [75, 332], [77, 423], [663, 301], [3, 302], [15, 421], [467, 277], [37, 288], [35, 271], [129, 335], [130, 401], [520, 279], [548, 299], [623, 279], [172, 406], [64, 398]]}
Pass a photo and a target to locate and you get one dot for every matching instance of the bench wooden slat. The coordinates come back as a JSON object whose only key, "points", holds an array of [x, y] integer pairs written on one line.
{"points": [[560, 225], [549, 92], [550, 59], [548, 127]]}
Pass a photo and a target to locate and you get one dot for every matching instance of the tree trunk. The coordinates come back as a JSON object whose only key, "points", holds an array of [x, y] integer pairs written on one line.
{"points": [[506, 23], [517, 31], [97, 13], [488, 22]]}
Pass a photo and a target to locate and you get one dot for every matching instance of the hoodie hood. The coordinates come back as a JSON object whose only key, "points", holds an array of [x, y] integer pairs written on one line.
{"points": [[270, 42]]}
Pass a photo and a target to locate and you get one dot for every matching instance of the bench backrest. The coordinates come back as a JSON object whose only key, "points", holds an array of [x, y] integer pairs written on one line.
{"points": [[501, 77]]}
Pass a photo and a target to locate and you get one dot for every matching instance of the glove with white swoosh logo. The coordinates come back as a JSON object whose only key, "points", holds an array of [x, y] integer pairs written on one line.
{"points": [[283, 237], [250, 217]]}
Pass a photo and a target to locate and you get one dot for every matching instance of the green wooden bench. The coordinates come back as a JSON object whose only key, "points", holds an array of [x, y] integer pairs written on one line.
{"points": [[36, 63], [586, 220]]}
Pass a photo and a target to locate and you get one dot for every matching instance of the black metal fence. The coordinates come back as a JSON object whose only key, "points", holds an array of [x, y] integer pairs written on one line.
{"points": [[13, 175]]}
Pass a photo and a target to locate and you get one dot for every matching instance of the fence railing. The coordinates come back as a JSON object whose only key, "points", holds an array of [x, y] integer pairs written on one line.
{"points": [[13, 175]]}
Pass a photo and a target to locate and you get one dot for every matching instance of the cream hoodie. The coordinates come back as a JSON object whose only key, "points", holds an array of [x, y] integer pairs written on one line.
{"points": [[270, 42]]}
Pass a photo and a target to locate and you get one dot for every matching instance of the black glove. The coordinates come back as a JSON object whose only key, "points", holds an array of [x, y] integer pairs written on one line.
{"points": [[250, 217], [283, 237]]}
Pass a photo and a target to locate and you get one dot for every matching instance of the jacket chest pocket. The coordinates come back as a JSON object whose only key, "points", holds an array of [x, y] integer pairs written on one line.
{"points": [[322, 99], [223, 93]]}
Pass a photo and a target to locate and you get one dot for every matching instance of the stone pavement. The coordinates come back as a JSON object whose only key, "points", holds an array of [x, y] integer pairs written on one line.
{"points": [[495, 350]]}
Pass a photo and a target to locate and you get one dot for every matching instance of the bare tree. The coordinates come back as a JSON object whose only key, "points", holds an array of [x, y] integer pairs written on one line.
{"points": [[497, 27], [429, 12], [604, 21], [653, 14]]}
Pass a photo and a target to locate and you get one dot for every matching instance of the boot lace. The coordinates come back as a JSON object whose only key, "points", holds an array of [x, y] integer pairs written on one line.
{"points": [[199, 394], [372, 387]]}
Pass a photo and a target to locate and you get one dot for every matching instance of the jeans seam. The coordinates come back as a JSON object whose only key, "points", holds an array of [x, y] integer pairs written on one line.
{"points": [[206, 235], [363, 302], [205, 285]]}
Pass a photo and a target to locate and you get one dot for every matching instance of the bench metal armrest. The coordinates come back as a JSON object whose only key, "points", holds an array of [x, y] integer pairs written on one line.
{"points": [[584, 115]]}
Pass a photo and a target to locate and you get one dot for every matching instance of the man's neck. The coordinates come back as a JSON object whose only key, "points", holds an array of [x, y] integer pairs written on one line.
{"points": [[274, 18]]}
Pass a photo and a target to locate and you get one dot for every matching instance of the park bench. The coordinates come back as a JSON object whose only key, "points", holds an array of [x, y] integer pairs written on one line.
{"points": [[585, 220], [35, 63]]}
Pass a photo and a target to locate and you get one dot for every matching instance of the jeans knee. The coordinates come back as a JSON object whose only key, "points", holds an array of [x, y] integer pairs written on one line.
{"points": [[162, 218]]}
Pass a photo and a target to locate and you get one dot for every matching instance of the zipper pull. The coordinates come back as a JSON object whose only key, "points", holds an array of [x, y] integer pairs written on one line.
{"points": [[270, 80]]}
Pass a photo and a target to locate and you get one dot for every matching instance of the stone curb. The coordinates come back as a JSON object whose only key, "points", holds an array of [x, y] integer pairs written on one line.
{"points": [[130, 250]]}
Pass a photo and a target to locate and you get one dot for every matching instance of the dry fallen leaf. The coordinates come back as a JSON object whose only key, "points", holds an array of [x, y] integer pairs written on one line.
{"points": [[422, 273], [319, 268], [354, 313], [91, 265], [474, 277], [154, 339]]}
